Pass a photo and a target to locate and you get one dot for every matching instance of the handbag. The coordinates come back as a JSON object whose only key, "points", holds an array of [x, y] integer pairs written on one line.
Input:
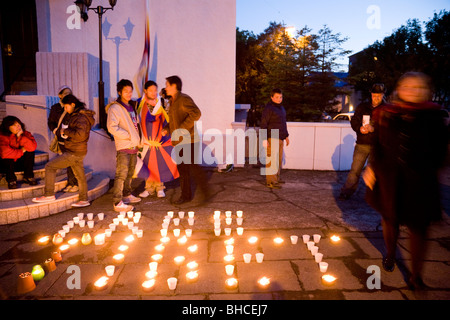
{"points": [[54, 144]]}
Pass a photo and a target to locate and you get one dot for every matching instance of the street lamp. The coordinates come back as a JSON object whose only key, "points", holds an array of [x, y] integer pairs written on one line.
{"points": [[84, 6]]}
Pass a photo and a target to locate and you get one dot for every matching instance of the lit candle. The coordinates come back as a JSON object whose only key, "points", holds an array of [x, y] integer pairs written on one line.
{"points": [[70, 224], [112, 226], [231, 283], [228, 221], [227, 231], [335, 239], [101, 283], [157, 257], [192, 265], [159, 248], [165, 240], [50, 265], [137, 214], [99, 239], [129, 239], [179, 260], [123, 248], [228, 214], [62, 233], [181, 214], [148, 285], [229, 269], [57, 239], [163, 232], [151, 274], [239, 213], [80, 215], [264, 282], [37, 273], [182, 240], [116, 221], [328, 279], [136, 219], [176, 232], [188, 232], [124, 221], [228, 258], [252, 240], [172, 283], [240, 231], [217, 232], [239, 221], [170, 214], [101, 216], [44, 240], [108, 233], [130, 214], [192, 276], [193, 248], [118, 258], [176, 221], [56, 256], [191, 221], [191, 214], [217, 214], [64, 248], [229, 242], [278, 240], [153, 266], [76, 220], [230, 249]]}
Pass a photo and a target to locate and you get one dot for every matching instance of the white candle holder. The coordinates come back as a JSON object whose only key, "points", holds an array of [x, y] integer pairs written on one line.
{"points": [[188, 232], [239, 213], [191, 221], [316, 238], [82, 223], [240, 231], [259, 257], [227, 231], [229, 269], [70, 224], [101, 216], [90, 216], [176, 221], [191, 214], [90, 224], [181, 214], [294, 239], [247, 257], [306, 238], [239, 221]]}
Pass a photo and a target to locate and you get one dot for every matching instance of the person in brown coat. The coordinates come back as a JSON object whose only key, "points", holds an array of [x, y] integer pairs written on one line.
{"points": [[76, 136], [410, 145], [183, 112]]}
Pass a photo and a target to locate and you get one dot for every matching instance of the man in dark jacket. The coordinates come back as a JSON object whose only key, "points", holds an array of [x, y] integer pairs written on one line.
{"points": [[56, 112], [183, 113], [362, 125], [274, 118]]}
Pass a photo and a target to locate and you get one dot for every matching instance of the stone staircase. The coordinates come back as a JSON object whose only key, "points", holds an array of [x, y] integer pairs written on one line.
{"points": [[16, 204]]}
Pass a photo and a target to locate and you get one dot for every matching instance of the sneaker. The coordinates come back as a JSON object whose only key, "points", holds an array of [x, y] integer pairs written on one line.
{"points": [[71, 189], [273, 186], [12, 185], [122, 207], [161, 194], [131, 199], [44, 199], [81, 204], [144, 194], [30, 181]]}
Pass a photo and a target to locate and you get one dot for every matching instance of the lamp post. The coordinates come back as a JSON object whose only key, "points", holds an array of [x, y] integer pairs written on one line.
{"points": [[84, 6]]}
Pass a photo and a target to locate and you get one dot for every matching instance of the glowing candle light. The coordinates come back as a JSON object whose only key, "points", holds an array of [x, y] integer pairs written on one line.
{"points": [[64, 248], [165, 240], [123, 248], [278, 240], [170, 214], [151, 274], [239, 221], [130, 214], [138, 214], [228, 221], [264, 282], [44, 240], [172, 283], [191, 214], [99, 239], [193, 248], [76, 220], [192, 276], [231, 283], [335, 239], [229, 242], [328, 279], [181, 214], [157, 257], [182, 240], [239, 213], [188, 232], [240, 231], [229, 269], [163, 232], [37, 273], [148, 285], [176, 232], [159, 248], [252, 240], [136, 219], [108, 232], [118, 258], [129, 239], [230, 249], [228, 258], [153, 266], [179, 260], [57, 239], [86, 239], [228, 214], [192, 265], [101, 283]]}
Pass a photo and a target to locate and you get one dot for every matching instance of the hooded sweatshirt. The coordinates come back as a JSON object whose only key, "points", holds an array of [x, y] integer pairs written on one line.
{"points": [[121, 126]]}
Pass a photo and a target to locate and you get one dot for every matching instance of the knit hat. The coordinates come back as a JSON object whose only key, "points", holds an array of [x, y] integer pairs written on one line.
{"points": [[378, 88]]}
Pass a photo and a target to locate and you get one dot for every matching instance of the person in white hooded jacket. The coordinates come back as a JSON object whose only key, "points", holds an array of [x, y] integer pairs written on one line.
{"points": [[122, 124]]}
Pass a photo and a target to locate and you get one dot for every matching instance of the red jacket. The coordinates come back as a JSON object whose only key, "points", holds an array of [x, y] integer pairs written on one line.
{"points": [[11, 146]]}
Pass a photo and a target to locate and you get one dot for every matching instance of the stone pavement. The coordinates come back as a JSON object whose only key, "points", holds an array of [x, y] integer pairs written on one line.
{"points": [[307, 204]]}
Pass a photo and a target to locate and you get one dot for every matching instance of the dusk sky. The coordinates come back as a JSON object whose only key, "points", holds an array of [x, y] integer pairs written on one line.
{"points": [[357, 20]]}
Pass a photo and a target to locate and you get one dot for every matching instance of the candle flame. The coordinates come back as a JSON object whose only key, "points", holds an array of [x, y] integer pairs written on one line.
{"points": [[157, 257], [148, 284], [151, 274], [193, 248], [335, 238], [165, 239], [101, 282], [179, 259], [328, 278], [73, 241], [129, 239], [229, 241], [123, 248], [231, 282], [264, 281], [228, 258], [253, 240], [192, 265], [159, 247], [278, 240], [44, 239], [64, 247], [192, 275], [119, 256]]}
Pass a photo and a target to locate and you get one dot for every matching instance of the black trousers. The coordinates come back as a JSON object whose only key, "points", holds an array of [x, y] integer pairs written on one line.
{"points": [[24, 163], [189, 171]]}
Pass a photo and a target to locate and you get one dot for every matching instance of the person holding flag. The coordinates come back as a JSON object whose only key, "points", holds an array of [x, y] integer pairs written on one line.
{"points": [[154, 163]]}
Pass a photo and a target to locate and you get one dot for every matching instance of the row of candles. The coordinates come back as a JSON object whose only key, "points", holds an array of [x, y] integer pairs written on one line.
{"points": [[192, 274]]}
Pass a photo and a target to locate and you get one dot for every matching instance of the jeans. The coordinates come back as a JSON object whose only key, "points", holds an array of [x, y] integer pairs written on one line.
{"points": [[24, 163], [71, 180], [64, 161], [125, 165], [360, 156], [275, 160]]}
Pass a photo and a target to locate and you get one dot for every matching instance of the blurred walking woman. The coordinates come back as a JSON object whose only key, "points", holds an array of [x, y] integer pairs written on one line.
{"points": [[410, 146], [17, 147], [76, 135]]}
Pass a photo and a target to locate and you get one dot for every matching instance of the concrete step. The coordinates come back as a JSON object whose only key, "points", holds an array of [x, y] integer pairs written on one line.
{"points": [[40, 158], [39, 173], [26, 191], [24, 209]]}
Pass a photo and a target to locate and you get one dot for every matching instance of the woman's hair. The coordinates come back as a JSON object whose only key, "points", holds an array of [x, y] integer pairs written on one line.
{"points": [[70, 98], [8, 122]]}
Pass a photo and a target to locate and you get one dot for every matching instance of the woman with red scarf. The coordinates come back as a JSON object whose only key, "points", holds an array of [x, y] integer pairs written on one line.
{"points": [[410, 146]]}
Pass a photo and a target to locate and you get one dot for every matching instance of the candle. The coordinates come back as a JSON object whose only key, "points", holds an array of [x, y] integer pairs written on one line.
{"points": [[82, 223], [25, 283], [50, 265], [159, 248], [130, 225], [217, 231], [44, 240], [227, 231], [151, 274], [110, 270], [124, 221], [216, 225], [328, 279], [130, 214], [157, 257], [217, 214], [259, 257], [71, 224], [239, 221], [139, 233], [310, 244], [231, 283], [294, 239], [86, 239], [101, 216], [136, 219], [90, 224], [90, 216], [62, 233], [229, 242], [57, 239], [163, 232], [37, 273], [228, 214], [172, 283], [335, 239], [182, 240], [240, 231], [135, 230], [99, 239], [116, 221], [153, 266], [64, 248], [123, 248], [165, 240], [112, 226], [76, 220], [129, 239], [101, 283], [118, 258], [323, 267], [192, 265], [56, 256], [176, 232], [306, 238], [316, 238], [191, 221], [193, 248], [247, 257], [264, 282], [228, 258], [239, 213], [188, 232], [228, 221], [229, 269], [181, 214], [176, 221], [252, 240], [191, 214], [148, 285], [80, 215], [179, 260], [318, 257], [314, 250], [108, 233], [278, 240], [170, 214], [192, 276], [230, 249], [138, 214]]}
